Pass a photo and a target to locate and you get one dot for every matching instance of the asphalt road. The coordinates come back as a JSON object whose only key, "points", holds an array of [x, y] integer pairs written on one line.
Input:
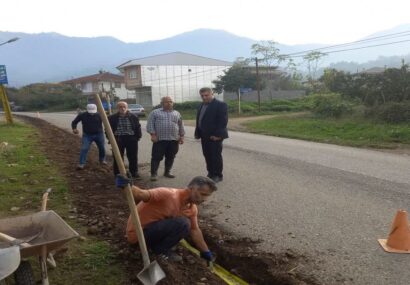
{"points": [[329, 203]]}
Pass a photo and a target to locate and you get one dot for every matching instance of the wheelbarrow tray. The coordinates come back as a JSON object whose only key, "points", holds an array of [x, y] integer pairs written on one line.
{"points": [[9, 260], [45, 228]]}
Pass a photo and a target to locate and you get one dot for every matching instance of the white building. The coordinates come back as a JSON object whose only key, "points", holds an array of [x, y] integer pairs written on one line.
{"points": [[179, 75], [103, 81]]}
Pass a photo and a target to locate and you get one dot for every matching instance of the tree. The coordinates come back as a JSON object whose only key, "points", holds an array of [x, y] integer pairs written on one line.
{"points": [[268, 54], [313, 59], [240, 75]]}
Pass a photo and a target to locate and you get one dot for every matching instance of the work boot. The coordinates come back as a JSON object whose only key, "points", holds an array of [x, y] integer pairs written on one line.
{"points": [[217, 179], [170, 256], [137, 177], [154, 177], [169, 175]]}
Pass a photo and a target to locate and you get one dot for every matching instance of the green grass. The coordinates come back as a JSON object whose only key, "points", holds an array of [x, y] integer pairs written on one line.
{"points": [[188, 109], [25, 173], [352, 131]]}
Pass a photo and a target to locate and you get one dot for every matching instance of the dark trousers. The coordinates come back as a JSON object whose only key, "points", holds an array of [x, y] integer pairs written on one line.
{"points": [[162, 235], [212, 151], [128, 144], [160, 149]]}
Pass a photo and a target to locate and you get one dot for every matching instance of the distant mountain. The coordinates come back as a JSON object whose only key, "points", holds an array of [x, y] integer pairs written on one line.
{"points": [[51, 57], [363, 53]]}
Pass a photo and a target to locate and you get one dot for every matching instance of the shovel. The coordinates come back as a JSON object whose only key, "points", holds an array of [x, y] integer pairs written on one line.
{"points": [[152, 272]]}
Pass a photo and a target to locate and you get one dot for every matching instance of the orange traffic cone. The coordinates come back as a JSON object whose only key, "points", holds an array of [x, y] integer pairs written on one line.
{"points": [[399, 237]]}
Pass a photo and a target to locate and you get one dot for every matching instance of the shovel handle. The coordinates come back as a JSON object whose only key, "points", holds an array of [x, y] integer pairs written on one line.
{"points": [[13, 240], [128, 193]]}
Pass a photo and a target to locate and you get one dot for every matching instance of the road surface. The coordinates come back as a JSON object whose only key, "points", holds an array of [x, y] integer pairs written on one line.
{"points": [[329, 203]]}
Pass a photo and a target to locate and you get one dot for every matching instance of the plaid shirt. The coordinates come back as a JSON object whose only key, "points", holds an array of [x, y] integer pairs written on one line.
{"points": [[124, 127], [167, 125]]}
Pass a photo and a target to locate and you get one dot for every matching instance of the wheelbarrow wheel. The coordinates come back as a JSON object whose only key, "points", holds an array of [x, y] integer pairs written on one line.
{"points": [[24, 274]]}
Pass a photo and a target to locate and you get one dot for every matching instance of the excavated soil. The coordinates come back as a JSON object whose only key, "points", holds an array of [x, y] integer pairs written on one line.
{"points": [[103, 210]]}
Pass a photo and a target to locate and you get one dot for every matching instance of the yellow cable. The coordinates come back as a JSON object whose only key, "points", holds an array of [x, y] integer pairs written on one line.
{"points": [[218, 270]]}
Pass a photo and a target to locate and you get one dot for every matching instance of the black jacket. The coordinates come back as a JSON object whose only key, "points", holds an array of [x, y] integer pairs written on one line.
{"points": [[92, 124], [214, 121], [135, 122]]}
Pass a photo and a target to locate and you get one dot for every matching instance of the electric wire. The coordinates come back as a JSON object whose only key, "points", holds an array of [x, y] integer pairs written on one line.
{"points": [[349, 49], [378, 38]]}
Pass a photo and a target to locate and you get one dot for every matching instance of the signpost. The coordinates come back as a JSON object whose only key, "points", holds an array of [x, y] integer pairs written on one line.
{"points": [[242, 90], [3, 75], [4, 100]]}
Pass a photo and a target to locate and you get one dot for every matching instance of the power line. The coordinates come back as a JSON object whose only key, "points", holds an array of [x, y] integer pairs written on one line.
{"points": [[342, 50], [187, 75], [384, 37]]}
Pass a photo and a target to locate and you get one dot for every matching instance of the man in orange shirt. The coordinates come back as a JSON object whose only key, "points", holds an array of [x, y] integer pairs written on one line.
{"points": [[168, 215]]}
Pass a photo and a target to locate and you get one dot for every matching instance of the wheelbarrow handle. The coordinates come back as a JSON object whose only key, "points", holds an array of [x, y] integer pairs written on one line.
{"points": [[44, 199], [13, 240]]}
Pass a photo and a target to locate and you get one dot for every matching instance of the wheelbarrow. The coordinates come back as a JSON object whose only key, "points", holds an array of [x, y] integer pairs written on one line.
{"points": [[37, 234], [9, 261]]}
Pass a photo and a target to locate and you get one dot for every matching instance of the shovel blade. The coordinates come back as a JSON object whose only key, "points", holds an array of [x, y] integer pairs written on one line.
{"points": [[151, 274]]}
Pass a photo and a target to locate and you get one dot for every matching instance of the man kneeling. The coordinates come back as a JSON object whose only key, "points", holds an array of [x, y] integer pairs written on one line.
{"points": [[169, 215]]}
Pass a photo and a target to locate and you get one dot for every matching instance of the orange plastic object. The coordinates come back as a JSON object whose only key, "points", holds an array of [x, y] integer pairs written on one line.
{"points": [[399, 237]]}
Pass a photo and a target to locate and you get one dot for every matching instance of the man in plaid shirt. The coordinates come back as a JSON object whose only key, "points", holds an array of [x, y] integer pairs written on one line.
{"points": [[167, 132]]}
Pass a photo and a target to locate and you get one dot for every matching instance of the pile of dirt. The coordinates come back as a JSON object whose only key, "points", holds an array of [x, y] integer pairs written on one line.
{"points": [[100, 207]]}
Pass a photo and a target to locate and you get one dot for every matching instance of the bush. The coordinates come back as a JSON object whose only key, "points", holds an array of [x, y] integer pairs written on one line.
{"points": [[329, 105], [392, 112], [187, 106]]}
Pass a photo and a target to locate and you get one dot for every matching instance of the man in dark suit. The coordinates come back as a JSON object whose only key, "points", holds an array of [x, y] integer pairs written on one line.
{"points": [[211, 122]]}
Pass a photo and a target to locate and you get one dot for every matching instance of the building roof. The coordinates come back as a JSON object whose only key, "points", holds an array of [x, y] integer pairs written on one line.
{"points": [[103, 76], [374, 70], [175, 58]]}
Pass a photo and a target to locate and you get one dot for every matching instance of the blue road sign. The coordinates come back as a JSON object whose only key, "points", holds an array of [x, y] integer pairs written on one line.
{"points": [[3, 75], [246, 90]]}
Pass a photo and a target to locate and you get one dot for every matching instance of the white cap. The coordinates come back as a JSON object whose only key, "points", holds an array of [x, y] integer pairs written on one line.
{"points": [[92, 108]]}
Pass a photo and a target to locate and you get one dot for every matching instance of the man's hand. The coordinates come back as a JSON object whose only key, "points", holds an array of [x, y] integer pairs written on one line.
{"points": [[208, 256], [121, 181], [75, 131], [154, 138], [181, 140], [214, 138]]}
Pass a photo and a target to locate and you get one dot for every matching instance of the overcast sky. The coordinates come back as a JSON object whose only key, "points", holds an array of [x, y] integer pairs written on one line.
{"points": [[288, 22]]}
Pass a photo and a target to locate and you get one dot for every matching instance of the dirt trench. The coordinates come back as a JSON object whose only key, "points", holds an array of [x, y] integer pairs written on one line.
{"points": [[101, 208]]}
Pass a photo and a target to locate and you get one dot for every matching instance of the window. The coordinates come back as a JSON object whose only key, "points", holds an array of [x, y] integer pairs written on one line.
{"points": [[132, 74]]}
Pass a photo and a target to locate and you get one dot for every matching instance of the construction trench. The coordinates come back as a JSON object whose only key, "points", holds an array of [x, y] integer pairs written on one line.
{"points": [[96, 206]]}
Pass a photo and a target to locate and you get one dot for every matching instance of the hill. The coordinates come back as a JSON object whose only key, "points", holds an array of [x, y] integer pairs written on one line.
{"points": [[51, 57]]}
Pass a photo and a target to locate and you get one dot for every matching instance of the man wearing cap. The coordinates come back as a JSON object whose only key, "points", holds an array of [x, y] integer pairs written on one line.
{"points": [[92, 132]]}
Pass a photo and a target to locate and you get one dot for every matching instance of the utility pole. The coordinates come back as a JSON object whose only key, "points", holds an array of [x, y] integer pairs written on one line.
{"points": [[257, 84], [3, 95], [239, 101], [6, 105]]}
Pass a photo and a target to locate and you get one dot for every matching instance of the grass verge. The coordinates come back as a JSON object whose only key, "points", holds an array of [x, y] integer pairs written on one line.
{"points": [[352, 131], [25, 173]]}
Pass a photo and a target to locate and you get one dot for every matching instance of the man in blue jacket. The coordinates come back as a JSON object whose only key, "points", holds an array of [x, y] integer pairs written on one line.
{"points": [[92, 132], [211, 128]]}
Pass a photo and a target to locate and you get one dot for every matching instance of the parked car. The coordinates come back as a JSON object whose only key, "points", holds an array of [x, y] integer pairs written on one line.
{"points": [[137, 109]]}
